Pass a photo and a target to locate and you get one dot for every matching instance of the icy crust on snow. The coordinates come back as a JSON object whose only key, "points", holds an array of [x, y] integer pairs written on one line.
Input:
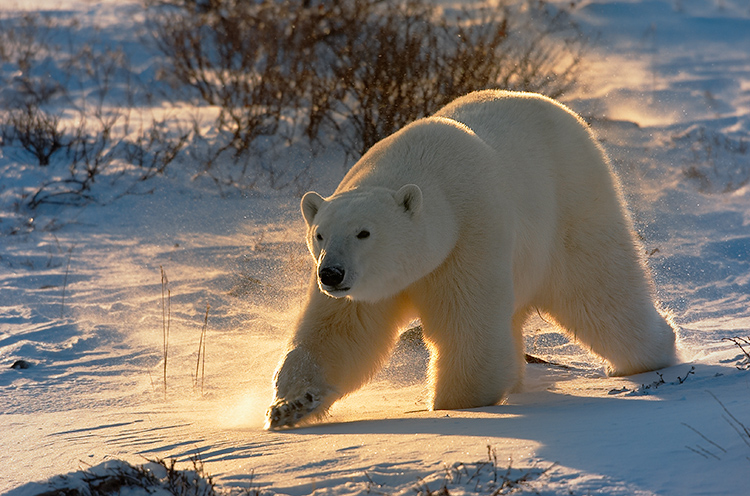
{"points": [[667, 90]]}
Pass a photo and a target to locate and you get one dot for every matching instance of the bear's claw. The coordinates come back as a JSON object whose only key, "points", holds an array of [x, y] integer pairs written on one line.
{"points": [[286, 413]]}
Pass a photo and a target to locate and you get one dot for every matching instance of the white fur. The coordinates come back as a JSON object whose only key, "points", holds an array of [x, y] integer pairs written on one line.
{"points": [[500, 204]]}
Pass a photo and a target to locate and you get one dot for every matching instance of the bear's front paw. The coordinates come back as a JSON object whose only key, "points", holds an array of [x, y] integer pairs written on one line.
{"points": [[286, 413]]}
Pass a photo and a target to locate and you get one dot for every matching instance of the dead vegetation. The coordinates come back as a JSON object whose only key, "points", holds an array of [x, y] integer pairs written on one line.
{"points": [[744, 345], [261, 78], [119, 477], [356, 69]]}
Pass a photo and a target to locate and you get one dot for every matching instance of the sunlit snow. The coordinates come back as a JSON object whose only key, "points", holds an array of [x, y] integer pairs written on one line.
{"points": [[667, 90]]}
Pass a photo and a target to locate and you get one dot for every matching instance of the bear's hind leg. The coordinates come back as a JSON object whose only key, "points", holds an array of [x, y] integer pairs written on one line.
{"points": [[631, 342], [603, 298]]}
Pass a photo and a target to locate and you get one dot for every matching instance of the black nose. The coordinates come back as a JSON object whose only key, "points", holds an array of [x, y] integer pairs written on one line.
{"points": [[331, 276]]}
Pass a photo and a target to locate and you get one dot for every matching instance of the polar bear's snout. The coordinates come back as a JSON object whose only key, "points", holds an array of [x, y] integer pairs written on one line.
{"points": [[333, 280], [331, 277]]}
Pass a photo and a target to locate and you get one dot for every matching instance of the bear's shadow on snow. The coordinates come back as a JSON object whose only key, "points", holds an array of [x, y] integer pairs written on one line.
{"points": [[552, 417], [575, 431]]}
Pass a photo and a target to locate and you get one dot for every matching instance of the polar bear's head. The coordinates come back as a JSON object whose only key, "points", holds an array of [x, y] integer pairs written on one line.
{"points": [[360, 240]]}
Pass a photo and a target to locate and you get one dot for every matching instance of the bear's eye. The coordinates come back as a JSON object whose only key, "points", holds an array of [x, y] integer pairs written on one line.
{"points": [[319, 237], [363, 235]]}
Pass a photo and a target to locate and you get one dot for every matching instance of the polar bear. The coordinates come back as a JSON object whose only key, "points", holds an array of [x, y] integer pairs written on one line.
{"points": [[499, 205]]}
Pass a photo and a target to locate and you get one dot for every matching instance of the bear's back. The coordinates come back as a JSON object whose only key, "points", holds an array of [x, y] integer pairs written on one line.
{"points": [[506, 120], [433, 152]]}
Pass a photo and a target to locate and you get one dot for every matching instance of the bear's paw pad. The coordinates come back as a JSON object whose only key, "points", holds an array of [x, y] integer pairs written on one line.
{"points": [[287, 412]]}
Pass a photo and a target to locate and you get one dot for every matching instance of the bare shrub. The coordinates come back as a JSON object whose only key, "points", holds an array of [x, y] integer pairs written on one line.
{"points": [[39, 132], [438, 59], [153, 148], [233, 54], [382, 71], [360, 69], [268, 74], [744, 345], [80, 129], [102, 144], [715, 161], [104, 149], [25, 44], [119, 477]]}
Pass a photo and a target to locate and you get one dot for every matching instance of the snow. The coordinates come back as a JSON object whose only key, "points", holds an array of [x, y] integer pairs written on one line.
{"points": [[667, 88]]}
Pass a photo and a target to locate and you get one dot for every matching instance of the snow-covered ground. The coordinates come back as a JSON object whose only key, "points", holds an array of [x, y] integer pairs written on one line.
{"points": [[667, 89]]}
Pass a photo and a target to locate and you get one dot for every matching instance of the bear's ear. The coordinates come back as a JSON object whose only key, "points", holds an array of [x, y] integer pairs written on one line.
{"points": [[409, 197], [310, 205]]}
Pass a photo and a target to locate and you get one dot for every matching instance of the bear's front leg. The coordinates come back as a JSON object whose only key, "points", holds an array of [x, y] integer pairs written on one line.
{"points": [[477, 355], [338, 345], [300, 389]]}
